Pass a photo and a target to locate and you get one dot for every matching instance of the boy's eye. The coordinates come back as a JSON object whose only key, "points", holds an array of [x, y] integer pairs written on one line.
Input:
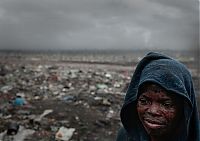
{"points": [[143, 101], [167, 104]]}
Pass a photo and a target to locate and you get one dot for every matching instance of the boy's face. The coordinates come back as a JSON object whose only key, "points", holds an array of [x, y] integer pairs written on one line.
{"points": [[158, 111]]}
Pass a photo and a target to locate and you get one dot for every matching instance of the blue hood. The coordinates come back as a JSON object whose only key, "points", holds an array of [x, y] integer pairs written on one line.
{"points": [[171, 75]]}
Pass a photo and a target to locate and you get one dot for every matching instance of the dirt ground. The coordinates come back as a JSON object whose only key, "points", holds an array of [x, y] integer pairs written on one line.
{"points": [[90, 121]]}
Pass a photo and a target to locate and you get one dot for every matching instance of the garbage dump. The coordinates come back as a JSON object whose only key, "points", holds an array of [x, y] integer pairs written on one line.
{"points": [[45, 100]]}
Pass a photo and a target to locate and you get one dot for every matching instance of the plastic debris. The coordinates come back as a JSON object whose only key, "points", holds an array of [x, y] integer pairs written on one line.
{"points": [[64, 133], [46, 112], [102, 86], [69, 98], [13, 128], [19, 101]]}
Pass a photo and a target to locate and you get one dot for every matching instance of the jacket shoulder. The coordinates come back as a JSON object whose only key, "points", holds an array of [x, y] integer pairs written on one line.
{"points": [[122, 135]]}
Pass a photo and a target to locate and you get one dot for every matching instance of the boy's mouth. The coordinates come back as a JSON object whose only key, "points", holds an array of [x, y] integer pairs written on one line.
{"points": [[154, 124]]}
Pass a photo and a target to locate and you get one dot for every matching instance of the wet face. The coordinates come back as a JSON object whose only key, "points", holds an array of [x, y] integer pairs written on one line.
{"points": [[158, 111]]}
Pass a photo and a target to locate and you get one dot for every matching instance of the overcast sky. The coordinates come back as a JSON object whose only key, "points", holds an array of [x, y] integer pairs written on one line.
{"points": [[99, 24]]}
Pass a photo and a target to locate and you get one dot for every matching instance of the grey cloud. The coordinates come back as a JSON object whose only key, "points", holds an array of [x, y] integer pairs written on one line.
{"points": [[98, 24], [183, 5]]}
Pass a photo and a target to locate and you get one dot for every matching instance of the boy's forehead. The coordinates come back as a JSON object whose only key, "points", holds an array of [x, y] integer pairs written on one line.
{"points": [[152, 87], [155, 88]]}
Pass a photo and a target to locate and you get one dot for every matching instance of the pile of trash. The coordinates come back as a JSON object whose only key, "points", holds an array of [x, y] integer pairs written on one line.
{"points": [[41, 101]]}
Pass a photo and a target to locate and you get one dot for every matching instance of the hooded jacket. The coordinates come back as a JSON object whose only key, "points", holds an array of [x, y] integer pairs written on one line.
{"points": [[173, 76]]}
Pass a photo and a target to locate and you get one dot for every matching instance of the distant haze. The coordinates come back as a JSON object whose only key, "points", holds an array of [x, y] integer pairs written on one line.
{"points": [[99, 24]]}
